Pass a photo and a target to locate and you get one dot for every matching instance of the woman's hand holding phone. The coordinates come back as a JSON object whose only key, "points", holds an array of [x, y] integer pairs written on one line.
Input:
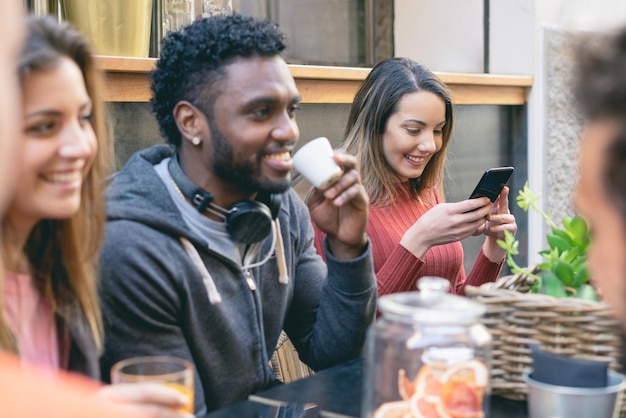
{"points": [[492, 182], [498, 220], [445, 223], [450, 222]]}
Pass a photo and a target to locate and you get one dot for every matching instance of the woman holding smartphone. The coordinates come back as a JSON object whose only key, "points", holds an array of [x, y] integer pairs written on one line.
{"points": [[51, 232], [399, 128]]}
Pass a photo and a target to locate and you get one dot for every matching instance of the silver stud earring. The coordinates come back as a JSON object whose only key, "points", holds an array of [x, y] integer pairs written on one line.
{"points": [[196, 140]]}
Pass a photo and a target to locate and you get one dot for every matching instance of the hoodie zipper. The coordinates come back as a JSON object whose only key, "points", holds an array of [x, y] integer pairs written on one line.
{"points": [[249, 279], [265, 377]]}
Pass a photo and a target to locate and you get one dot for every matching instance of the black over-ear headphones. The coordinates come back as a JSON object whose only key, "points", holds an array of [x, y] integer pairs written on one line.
{"points": [[247, 222]]}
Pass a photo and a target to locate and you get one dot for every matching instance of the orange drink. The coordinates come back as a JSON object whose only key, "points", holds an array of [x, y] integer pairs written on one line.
{"points": [[185, 390], [173, 372]]}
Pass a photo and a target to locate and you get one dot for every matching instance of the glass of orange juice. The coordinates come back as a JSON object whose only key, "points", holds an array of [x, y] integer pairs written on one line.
{"points": [[173, 372]]}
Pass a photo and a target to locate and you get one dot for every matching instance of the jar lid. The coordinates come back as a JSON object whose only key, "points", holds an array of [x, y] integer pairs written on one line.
{"points": [[431, 305]]}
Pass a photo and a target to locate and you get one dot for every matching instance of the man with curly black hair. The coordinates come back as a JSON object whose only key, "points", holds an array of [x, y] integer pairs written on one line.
{"points": [[600, 90], [208, 250]]}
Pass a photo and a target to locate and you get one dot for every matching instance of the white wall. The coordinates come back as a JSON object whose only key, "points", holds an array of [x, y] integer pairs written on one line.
{"points": [[551, 124], [448, 35], [511, 37], [581, 14]]}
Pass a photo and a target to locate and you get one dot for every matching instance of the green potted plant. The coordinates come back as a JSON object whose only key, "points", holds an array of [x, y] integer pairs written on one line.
{"points": [[551, 303], [563, 272]]}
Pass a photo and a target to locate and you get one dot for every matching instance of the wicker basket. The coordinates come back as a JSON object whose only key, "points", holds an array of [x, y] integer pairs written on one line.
{"points": [[516, 319]]}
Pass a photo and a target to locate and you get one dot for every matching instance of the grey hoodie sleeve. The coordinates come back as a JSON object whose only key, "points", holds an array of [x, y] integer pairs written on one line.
{"points": [[333, 303]]}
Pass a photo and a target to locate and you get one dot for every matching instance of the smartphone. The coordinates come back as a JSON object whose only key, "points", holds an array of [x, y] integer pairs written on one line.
{"points": [[491, 183]]}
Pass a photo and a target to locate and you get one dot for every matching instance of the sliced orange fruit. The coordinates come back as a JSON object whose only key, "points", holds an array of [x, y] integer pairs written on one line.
{"points": [[427, 407], [440, 391], [428, 381], [473, 371], [406, 386], [462, 400], [463, 388], [397, 409]]}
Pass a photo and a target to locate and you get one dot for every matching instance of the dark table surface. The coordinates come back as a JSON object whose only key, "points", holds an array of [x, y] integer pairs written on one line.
{"points": [[334, 392]]}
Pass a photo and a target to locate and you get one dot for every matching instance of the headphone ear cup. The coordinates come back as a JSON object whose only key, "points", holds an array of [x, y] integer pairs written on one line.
{"points": [[249, 221], [272, 201]]}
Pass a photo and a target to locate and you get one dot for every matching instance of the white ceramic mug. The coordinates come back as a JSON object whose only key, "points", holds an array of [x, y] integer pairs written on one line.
{"points": [[314, 160]]}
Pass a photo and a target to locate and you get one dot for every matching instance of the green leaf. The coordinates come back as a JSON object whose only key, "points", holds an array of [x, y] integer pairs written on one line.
{"points": [[582, 243], [551, 285], [578, 226], [510, 243], [564, 273], [563, 234], [557, 242], [525, 198], [578, 263], [551, 256], [569, 255], [587, 292], [535, 287], [566, 222], [581, 276]]}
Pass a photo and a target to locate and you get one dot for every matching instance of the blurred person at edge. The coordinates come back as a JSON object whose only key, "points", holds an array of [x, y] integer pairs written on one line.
{"points": [[12, 35], [600, 92], [399, 127], [51, 232], [25, 392]]}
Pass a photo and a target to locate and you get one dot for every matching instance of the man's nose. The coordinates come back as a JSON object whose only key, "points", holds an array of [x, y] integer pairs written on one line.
{"points": [[286, 128]]}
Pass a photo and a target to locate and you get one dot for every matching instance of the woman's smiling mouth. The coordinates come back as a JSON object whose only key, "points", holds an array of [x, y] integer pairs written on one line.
{"points": [[63, 177], [416, 160]]}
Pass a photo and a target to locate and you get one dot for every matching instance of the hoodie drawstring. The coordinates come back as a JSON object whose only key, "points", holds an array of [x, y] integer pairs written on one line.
{"points": [[207, 279]]}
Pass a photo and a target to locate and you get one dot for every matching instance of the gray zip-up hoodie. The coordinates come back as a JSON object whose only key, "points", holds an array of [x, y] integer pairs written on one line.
{"points": [[155, 299]]}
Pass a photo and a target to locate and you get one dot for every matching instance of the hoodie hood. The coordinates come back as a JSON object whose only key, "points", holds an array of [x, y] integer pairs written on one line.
{"points": [[126, 201]]}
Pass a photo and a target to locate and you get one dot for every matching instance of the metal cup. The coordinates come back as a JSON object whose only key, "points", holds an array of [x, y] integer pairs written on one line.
{"points": [[551, 401]]}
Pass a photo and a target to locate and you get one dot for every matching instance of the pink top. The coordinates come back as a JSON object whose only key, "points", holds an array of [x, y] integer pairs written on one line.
{"points": [[31, 320], [397, 269]]}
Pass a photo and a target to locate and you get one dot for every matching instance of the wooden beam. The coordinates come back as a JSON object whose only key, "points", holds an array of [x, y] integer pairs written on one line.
{"points": [[126, 80]]}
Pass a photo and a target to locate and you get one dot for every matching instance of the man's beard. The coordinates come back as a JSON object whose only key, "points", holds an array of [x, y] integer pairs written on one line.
{"points": [[245, 173]]}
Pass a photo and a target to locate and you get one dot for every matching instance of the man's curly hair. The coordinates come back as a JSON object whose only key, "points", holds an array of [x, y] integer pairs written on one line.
{"points": [[193, 59], [600, 92]]}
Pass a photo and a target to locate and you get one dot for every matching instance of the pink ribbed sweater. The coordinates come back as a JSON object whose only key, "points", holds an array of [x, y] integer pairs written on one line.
{"points": [[397, 269]]}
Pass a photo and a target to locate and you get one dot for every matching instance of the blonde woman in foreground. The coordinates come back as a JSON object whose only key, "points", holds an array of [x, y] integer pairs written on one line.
{"points": [[52, 229]]}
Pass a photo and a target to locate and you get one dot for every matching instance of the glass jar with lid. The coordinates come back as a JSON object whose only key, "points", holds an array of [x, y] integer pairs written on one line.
{"points": [[427, 355]]}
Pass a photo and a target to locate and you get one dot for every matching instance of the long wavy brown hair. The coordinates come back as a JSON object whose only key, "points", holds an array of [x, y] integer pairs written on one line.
{"points": [[63, 254], [375, 101]]}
